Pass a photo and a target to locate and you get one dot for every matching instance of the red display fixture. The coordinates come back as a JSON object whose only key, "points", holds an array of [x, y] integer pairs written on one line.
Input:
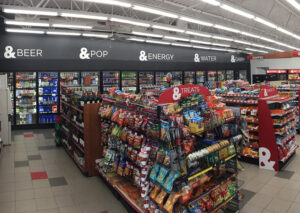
{"points": [[273, 156], [294, 71], [276, 71]]}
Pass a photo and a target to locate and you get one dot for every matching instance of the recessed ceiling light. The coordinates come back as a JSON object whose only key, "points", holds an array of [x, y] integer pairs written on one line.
{"points": [[30, 12], [26, 23]]}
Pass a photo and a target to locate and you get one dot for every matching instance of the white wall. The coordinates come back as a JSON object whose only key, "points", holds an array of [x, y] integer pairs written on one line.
{"points": [[281, 63]]}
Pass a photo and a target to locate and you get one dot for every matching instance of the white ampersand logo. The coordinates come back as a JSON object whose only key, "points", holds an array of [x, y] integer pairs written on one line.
{"points": [[9, 52], [196, 58], [264, 159], [84, 53], [143, 56], [176, 94], [233, 59]]}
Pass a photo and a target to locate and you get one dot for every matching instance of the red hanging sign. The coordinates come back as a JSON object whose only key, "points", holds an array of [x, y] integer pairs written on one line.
{"points": [[176, 93], [294, 71], [276, 71], [266, 91]]}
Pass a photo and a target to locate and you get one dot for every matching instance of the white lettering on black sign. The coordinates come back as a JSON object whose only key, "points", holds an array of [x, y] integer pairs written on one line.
{"points": [[155, 56], [90, 54], [10, 53], [204, 58]]}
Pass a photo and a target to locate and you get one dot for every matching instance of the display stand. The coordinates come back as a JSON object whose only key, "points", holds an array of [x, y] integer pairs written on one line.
{"points": [[90, 147], [275, 152], [117, 148]]}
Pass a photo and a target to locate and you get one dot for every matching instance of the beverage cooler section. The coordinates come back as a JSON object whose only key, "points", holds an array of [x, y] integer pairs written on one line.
{"points": [[146, 79], [129, 81], [200, 77], [48, 97], [189, 77], [90, 78], [26, 102], [110, 80], [69, 79]]}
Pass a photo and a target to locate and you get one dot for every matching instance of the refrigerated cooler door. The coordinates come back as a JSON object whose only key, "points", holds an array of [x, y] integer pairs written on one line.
{"points": [[200, 77], [229, 75], [176, 78], [69, 78], [110, 80], [243, 75], [26, 106], [189, 77], [89, 78], [146, 79], [161, 78], [5, 121], [48, 97], [129, 81]]}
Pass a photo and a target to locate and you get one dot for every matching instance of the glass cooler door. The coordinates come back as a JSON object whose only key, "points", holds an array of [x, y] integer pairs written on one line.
{"points": [[48, 96], [110, 80], [129, 82], [161, 79], [26, 106], [200, 77], [176, 78], [189, 77], [146, 79], [229, 75], [89, 78], [69, 78]]}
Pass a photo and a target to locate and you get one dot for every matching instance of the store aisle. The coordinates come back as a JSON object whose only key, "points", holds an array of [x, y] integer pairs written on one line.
{"points": [[36, 176]]}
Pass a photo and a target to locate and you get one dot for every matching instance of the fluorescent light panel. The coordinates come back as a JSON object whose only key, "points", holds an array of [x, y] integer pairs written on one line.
{"points": [[201, 47], [168, 28], [200, 42], [96, 35], [249, 34], [30, 12], [16, 30], [26, 23], [111, 2], [196, 21], [198, 34], [154, 11], [221, 45], [256, 50], [52, 32], [147, 34], [294, 3], [126, 21], [222, 38], [176, 38], [181, 45], [136, 39], [226, 28], [267, 23], [72, 26], [84, 16], [157, 42], [237, 11], [242, 42], [212, 2]]}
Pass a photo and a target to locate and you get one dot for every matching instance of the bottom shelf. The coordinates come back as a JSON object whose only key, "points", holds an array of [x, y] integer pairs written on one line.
{"points": [[73, 158], [116, 182]]}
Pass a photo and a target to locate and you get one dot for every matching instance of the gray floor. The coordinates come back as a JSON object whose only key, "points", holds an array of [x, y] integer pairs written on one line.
{"points": [[67, 190]]}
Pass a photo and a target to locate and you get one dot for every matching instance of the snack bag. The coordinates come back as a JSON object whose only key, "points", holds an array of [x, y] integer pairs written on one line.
{"points": [[154, 172], [155, 191], [163, 172], [168, 184], [174, 196], [160, 197], [124, 134]]}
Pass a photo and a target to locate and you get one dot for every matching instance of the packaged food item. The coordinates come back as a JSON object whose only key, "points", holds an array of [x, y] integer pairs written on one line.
{"points": [[168, 184], [155, 191], [186, 193], [172, 199], [216, 196], [154, 172], [160, 197], [163, 172], [209, 203]]}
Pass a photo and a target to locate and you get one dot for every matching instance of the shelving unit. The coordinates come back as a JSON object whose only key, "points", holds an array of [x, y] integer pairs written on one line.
{"points": [[80, 142], [116, 145]]}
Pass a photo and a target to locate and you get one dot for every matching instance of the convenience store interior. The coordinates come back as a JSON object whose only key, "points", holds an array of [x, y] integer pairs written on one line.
{"points": [[149, 106]]}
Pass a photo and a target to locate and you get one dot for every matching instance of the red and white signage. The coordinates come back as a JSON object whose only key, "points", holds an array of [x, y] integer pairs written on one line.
{"points": [[294, 71], [266, 91], [176, 93], [276, 71]]}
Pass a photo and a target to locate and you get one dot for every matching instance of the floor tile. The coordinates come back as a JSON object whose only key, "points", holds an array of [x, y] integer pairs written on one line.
{"points": [[294, 208], [8, 207], [64, 201], [269, 190], [70, 209], [7, 196], [43, 193], [46, 203], [58, 181], [27, 194], [247, 195], [34, 157], [279, 206], [39, 175], [21, 163], [47, 147], [22, 185], [260, 200], [251, 209], [28, 135], [7, 187], [285, 174], [56, 210], [26, 206], [287, 194], [41, 184]]}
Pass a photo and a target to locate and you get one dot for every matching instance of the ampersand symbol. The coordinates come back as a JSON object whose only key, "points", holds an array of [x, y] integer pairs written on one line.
{"points": [[9, 52], [232, 59], [176, 94], [264, 159], [197, 59], [84, 53], [143, 56]]}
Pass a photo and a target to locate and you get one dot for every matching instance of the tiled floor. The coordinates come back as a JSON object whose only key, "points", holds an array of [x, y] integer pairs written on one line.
{"points": [[36, 176]]}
